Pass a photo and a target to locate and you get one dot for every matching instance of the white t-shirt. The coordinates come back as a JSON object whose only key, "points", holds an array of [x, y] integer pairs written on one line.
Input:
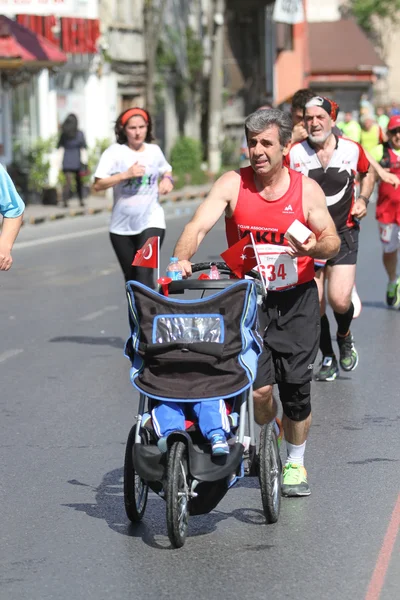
{"points": [[136, 205]]}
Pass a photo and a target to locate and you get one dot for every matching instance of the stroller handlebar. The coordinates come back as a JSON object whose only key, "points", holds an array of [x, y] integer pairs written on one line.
{"points": [[179, 286]]}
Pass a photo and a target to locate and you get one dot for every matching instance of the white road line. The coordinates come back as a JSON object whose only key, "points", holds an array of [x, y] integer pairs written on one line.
{"points": [[59, 238], [9, 354], [98, 313]]}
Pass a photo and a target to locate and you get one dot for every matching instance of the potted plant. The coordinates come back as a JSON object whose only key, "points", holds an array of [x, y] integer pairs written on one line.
{"points": [[39, 188]]}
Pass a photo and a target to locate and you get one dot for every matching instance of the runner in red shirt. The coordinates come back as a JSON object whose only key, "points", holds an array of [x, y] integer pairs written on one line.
{"points": [[265, 199]]}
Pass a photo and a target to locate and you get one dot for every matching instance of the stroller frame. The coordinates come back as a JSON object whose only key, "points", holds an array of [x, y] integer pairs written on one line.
{"points": [[187, 477]]}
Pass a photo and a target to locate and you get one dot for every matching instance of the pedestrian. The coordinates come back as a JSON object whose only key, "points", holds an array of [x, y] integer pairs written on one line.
{"points": [[138, 172], [371, 134], [265, 199], [74, 162], [334, 162], [388, 210], [350, 127], [12, 209], [382, 118]]}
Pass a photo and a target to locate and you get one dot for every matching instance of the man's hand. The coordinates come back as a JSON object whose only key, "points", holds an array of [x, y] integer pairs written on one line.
{"points": [[359, 209], [186, 267], [390, 178], [5, 257], [296, 249], [299, 133]]}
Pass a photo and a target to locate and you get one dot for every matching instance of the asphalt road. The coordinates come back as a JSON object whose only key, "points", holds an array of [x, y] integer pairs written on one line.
{"points": [[66, 407]]}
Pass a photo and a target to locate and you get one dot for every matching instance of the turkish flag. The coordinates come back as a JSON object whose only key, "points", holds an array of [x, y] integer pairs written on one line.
{"points": [[241, 257], [147, 256]]}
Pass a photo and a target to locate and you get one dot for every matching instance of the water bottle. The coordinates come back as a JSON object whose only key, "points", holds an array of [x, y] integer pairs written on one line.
{"points": [[174, 270], [214, 273]]}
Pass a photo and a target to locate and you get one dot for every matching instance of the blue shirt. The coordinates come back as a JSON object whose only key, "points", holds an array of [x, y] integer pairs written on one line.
{"points": [[11, 203]]}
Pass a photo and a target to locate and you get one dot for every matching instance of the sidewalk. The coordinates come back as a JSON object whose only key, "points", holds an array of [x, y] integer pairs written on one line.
{"points": [[39, 213]]}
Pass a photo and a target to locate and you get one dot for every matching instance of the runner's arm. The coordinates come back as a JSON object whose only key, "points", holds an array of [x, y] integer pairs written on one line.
{"points": [[223, 192], [382, 173], [324, 241]]}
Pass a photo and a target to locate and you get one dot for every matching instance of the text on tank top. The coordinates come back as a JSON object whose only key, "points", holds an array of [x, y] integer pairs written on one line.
{"points": [[268, 221]]}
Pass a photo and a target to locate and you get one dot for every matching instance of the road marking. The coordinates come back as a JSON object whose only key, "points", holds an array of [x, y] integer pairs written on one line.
{"points": [[9, 354], [98, 313], [59, 238], [385, 554]]}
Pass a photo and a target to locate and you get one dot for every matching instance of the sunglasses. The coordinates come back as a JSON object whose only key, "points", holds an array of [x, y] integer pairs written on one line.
{"points": [[395, 131]]}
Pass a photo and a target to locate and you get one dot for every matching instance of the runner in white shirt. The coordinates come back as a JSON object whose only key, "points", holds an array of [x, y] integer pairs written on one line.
{"points": [[138, 171]]}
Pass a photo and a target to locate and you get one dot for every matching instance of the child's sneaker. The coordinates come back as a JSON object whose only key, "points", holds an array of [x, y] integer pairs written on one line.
{"points": [[219, 445]]}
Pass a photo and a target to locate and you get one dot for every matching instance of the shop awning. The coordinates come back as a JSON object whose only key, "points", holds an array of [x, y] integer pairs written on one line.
{"points": [[21, 47], [342, 47]]}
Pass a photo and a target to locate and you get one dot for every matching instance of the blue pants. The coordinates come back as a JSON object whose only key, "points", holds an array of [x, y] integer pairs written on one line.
{"points": [[170, 416]]}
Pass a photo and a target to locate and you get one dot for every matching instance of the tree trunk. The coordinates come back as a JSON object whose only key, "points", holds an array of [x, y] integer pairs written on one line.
{"points": [[153, 20], [215, 92]]}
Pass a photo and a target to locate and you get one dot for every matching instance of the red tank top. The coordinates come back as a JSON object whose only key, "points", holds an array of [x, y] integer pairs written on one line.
{"points": [[388, 205], [268, 222]]}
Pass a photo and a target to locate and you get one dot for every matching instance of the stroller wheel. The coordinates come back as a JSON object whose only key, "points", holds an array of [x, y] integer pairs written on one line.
{"points": [[270, 473], [136, 489], [177, 495]]}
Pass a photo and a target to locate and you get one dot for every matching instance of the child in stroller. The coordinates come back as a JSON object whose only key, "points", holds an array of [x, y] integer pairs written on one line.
{"points": [[212, 420]]}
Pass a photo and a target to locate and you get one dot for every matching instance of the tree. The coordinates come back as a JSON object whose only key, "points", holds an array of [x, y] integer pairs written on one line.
{"points": [[367, 12], [153, 21]]}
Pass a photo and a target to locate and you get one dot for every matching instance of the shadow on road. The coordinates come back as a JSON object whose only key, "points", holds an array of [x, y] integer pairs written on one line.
{"points": [[109, 506], [115, 342]]}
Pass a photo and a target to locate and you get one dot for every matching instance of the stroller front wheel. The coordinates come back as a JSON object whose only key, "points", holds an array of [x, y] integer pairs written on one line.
{"points": [[177, 495], [136, 489], [270, 473]]}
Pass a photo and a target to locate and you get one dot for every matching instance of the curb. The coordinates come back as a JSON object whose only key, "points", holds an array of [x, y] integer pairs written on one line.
{"points": [[95, 211]]}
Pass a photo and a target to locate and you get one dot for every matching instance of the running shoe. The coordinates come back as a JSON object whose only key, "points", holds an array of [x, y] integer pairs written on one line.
{"points": [[328, 370], [355, 298], [348, 353], [219, 445], [393, 294], [295, 481]]}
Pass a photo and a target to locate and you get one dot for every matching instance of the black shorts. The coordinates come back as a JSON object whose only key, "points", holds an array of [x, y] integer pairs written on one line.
{"points": [[348, 251], [291, 324]]}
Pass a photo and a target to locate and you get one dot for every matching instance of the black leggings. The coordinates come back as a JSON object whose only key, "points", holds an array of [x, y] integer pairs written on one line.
{"points": [[126, 246], [68, 185]]}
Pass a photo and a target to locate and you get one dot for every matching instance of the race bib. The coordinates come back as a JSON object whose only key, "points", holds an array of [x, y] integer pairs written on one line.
{"points": [[385, 232], [278, 269]]}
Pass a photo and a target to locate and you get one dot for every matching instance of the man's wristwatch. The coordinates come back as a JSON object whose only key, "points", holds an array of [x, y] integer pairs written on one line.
{"points": [[363, 198]]}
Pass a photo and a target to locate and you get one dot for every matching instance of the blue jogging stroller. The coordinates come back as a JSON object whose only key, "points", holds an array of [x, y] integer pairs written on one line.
{"points": [[195, 350]]}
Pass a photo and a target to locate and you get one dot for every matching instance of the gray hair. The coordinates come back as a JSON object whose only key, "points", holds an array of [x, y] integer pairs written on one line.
{"points": [[260, 120]]}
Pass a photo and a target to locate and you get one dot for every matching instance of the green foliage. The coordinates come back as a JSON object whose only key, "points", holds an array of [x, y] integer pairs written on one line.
{"points": [[365, 11], [186, 159], [230, 152], [38, 163], [195, 57]]}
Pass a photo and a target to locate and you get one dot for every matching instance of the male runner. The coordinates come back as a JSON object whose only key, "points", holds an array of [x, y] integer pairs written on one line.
{"points": [[388, 210], [334, 162], [265, 199]]}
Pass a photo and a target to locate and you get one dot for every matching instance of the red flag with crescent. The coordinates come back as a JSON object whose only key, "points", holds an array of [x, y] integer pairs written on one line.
{"points": [[147, 256], [241, 257]]}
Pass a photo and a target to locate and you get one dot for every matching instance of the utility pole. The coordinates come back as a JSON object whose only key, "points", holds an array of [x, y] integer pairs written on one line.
{"points": [[215, 91]]}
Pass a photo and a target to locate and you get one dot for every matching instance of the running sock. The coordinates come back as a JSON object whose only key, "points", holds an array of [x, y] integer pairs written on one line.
{"points": [[295, 454], [344, 321], [325, 342]]}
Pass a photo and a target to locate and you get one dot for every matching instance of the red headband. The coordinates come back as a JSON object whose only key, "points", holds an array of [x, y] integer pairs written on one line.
{"points": [[328, 105], [134, 112]]}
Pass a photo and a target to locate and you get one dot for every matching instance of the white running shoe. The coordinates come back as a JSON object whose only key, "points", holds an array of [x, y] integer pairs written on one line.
{"points": [[355, 298]]}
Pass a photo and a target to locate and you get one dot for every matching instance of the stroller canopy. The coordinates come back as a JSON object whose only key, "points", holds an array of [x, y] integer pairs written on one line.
{"points": [[193, 350]]}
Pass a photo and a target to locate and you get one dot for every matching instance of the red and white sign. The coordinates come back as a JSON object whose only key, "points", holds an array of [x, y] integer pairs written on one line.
{"points": [[37, 7]]}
